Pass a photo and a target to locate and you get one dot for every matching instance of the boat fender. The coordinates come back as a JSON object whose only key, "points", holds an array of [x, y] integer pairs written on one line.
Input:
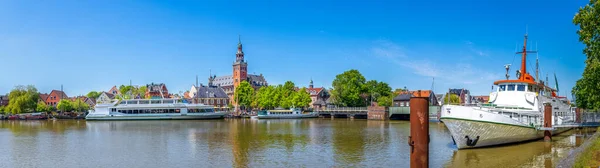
{"points": [[471, 142]]}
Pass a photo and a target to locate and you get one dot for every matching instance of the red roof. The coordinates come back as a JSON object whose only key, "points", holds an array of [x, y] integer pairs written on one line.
{"points": [[314, 91], [44, 97]]}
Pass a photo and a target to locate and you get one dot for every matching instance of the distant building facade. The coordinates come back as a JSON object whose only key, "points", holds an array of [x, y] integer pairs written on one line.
{"points": [[463, 94], [240, 73], [403, 99], [114, 90], [54, 97], [157, 91], [209, 95], [105, 98], [4, 100], [319, 96]]}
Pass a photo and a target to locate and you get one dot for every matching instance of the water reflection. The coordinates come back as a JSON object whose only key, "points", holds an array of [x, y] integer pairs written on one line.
{"points": [[253, 143]]}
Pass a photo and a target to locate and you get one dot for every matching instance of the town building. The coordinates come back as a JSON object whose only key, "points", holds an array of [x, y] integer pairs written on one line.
{"points": [[89, 101], [157, 91], [319, 96], [240, 73], [54, 97], [403, 99], [209, 95], [114, 90], [4, 100], [105, 98], [463, 94], [480, 99]]}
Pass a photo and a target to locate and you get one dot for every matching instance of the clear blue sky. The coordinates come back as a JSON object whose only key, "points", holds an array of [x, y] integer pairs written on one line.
{"points": [[93, 45]]}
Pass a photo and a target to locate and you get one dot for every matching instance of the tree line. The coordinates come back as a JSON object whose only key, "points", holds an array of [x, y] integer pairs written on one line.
{"points": [[26, 99], [270, 97], [586, 91]]}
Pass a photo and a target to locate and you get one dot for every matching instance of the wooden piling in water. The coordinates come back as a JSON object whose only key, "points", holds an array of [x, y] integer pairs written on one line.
{"points": [[547, 121], [419, 130]]}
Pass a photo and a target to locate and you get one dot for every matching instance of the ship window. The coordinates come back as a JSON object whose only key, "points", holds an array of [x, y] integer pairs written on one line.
{"points": [[171, 110], [144, 102], [135, 111], [502, 88], [510, 87], [168, 101], [520, 87], [155, 102]]}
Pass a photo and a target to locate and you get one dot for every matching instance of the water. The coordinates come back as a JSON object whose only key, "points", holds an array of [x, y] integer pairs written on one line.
{"points": [[251, 143]]}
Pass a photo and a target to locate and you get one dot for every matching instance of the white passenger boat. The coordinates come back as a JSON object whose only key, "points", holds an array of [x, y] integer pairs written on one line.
{"points": [[153, 109], [286, 114], [514, 112]]}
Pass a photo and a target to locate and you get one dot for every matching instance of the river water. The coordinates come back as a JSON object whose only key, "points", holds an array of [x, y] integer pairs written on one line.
{"points": [[252, 143]]}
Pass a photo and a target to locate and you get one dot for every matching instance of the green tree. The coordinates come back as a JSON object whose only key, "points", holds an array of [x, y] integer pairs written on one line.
{"points": [[42, 107], [2, 110], [142, 92], [377, 89], [385, 101], [243, 94], [79, 106], [286, 94], [347, 89], [22, 99], [454, 99], [302, 98], [65, 105], [93, 94], [266, 97], [587, 89]]}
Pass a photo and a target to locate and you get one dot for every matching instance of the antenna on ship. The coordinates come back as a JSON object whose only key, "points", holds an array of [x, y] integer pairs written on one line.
{"points": [[521, 74], [507, 67]]}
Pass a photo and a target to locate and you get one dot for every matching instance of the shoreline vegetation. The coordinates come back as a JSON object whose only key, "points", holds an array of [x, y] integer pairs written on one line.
{"points": [[590, 153]]}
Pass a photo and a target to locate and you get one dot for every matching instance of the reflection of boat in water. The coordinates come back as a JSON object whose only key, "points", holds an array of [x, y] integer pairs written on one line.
{"points": [[153, 109], [286, 114], [514, 113]]}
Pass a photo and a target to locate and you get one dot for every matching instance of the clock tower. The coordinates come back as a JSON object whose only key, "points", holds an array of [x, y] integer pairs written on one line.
{"points": [[240, 66]]}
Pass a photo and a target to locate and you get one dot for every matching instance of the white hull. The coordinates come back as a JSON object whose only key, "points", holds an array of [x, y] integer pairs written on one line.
{"points": [[288, 116], [196, 116], [486, 128]]}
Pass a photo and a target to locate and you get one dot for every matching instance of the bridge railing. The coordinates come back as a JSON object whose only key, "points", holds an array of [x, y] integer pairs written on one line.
{"points": [[342, 110]]}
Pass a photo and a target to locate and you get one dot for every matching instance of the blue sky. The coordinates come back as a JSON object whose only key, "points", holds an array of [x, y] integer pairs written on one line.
{"points": [[93, 45]]}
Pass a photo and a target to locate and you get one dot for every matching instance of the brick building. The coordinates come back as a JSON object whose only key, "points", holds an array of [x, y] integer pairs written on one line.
{"points": [[157, 91], [54, 97], [209, 95], [4, 100], [240, 73]]}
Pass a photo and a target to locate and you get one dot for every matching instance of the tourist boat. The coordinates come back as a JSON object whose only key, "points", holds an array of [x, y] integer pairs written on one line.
{"points": [[292, 113], [514, 112], [153, 109]]}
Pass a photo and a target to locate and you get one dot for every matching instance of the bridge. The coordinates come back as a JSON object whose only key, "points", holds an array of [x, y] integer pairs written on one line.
{"points": [[586, 119], [343, 112], [403, 113]]}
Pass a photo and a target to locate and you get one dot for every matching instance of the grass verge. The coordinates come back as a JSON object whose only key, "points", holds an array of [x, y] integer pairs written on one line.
{"points": [[591, 156]]}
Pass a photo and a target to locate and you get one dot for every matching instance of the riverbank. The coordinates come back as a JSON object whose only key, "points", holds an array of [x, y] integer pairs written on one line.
{"points": [[586, 155]]}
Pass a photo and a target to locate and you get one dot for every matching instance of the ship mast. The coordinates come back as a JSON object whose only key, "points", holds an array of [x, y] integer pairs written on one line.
{"points": [[523, 70]]}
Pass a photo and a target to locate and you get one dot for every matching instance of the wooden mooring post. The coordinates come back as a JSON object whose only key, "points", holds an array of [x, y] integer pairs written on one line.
{"points": [[419, 130], [547, 121]]}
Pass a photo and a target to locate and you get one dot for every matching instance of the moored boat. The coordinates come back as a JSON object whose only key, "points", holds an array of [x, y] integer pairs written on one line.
{"points": [[292, 113], [513, 114], [153, 109]]}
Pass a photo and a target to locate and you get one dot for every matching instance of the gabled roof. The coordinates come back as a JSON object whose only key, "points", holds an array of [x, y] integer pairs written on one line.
{"points": [[43, 97], [59, 93], [314, 91], [110, 95], [210, 92]]}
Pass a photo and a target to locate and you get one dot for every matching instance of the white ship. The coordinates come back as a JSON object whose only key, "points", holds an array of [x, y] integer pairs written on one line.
{"points": [[286, 114], [153, 109], [513, 114]]}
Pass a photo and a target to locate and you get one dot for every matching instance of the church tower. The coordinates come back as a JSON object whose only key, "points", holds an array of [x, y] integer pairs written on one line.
{"points": [[239, 68]]}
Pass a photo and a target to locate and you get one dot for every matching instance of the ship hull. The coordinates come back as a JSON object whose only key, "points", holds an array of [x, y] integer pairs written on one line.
{"points": [[157, 117], [473, 127]]}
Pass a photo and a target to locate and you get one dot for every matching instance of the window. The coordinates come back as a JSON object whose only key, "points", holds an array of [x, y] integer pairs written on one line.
{"points": [[212, 101], [502, 88], [510, 87], [521, 88]]}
